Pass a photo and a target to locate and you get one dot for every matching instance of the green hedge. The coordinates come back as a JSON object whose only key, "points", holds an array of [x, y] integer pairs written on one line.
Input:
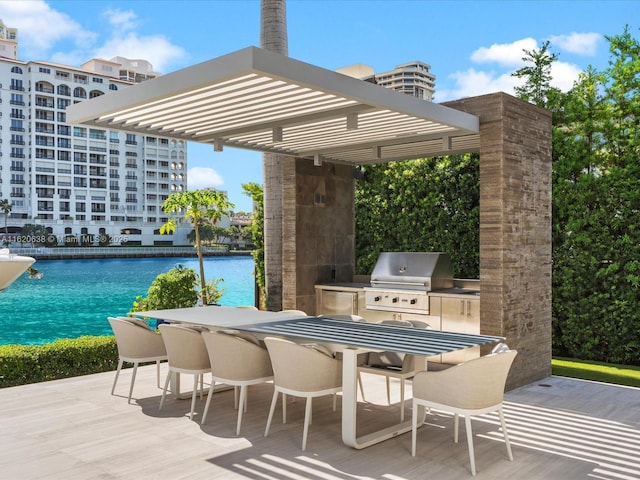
{"points": [[23, 364]]}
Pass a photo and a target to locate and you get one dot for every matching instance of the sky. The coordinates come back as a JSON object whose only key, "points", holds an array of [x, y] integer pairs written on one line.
{"points": [[473, 47]]}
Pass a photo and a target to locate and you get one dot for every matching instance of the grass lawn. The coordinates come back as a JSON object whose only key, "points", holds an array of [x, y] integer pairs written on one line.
{"points": [[597, 371]]}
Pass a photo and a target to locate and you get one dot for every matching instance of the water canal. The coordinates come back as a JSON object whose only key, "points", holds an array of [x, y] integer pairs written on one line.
{"points": [[75, 297]]}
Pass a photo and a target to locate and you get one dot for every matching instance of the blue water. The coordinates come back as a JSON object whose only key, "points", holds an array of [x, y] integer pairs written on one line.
{"points": [[75, 297]]}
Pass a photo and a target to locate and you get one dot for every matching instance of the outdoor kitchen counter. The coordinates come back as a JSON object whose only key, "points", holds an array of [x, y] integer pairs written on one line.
{"points": [[455, 293]]}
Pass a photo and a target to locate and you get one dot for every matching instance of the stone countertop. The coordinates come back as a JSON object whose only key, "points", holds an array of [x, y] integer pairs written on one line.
{"points": [[343, 287]]}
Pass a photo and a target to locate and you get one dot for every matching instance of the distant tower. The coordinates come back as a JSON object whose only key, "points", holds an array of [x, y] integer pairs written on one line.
{"points": [[8, 42]]}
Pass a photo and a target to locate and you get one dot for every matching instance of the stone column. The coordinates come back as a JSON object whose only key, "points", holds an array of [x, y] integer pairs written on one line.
{"points": [[318, 230], [515, 228]]}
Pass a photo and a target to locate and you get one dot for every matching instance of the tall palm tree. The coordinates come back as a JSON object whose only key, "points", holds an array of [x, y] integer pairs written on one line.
{"points": [[6, 207], [273, 37]]}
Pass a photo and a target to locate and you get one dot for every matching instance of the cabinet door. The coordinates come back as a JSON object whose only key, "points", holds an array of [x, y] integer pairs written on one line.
{"points": [[461, 315], [333, 302]]}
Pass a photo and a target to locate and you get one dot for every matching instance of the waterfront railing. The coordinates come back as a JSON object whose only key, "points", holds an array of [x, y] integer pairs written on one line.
{"points": [[47, 253]]}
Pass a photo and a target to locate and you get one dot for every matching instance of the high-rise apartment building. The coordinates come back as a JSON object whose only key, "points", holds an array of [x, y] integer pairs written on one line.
{"points": [[413, 78], [81, 183]]}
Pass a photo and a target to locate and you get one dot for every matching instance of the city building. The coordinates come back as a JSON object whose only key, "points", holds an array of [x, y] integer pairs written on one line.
{"points": [[83, 185], [413, 78]]}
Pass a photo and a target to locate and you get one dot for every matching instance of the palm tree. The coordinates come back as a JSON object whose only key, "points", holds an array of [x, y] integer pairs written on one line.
{"points": [[273, 37], [200, 207], [6, 207]]}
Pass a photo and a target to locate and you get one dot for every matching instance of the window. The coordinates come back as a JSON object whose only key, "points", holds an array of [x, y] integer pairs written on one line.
{"points": [[97, 134], [44, 70], [16, 70], [97, 80], [79, 132], [113, 87], [16, 125], [16, 84], [17, 99]]}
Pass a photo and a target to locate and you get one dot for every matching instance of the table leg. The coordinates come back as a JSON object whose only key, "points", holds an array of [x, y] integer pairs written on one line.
{"points": [[349, 408]]}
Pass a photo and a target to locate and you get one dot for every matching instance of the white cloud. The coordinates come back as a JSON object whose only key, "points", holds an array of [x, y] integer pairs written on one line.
{"points": [[37, 36], [564, 74], [122, 20], [153, 48], [125, 42], [472, 82], [578, 43], [203, 177], [63, 40], [506, 54]]}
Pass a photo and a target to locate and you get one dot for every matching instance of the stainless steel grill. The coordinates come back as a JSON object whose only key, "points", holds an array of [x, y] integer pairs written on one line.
{"points": [[401, 281]]}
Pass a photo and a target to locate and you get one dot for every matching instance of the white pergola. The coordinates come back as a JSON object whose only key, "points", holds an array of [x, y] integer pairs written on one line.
{"points": [[260, 100]]}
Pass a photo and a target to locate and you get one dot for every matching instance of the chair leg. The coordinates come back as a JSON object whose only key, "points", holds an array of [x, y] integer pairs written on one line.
{"points": [[164, 390], [401, 399], [115, 380], [133, 380], [158, 373], [414, 428], [206, 405], [284, 408], [456, 422], [235, 397], [505, 433], [467, 424], [307, 421], [272, 409], [243, 401], [194, 395], [388, 392]]}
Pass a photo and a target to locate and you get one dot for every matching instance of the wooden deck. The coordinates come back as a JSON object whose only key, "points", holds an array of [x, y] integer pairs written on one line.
{"points": [[74, 429]]}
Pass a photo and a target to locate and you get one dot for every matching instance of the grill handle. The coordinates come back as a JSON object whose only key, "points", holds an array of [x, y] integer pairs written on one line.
{"points": [[391, 282]]}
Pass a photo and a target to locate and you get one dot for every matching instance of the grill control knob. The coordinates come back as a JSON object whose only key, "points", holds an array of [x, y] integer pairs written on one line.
{"points": [[377, 299], [413, 301], [395, 300]]}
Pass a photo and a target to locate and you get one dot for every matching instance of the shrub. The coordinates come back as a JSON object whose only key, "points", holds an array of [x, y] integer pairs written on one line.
{"points": [[23, 364]]}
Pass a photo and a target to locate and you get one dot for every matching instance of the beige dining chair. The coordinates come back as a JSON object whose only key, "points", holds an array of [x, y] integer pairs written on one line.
{"points": [[362, 358], [238, 362], [137, 344], [302, 372], [187, 354], [395, 365], [293, 311], [471, 388]]}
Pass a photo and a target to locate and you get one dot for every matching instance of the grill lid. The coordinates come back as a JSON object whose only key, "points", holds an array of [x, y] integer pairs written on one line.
{"points": [[413, 270]]}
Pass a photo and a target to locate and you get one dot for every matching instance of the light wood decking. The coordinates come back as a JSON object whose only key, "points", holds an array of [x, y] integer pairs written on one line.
{"points": [[74, 429]]}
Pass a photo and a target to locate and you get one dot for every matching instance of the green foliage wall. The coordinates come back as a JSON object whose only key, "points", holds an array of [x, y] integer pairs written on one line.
{"points": [[420, 205], [596, 211]]}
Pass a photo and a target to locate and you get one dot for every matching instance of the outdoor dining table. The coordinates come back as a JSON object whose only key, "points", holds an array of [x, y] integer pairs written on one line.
{"points": [[351, 338]]}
